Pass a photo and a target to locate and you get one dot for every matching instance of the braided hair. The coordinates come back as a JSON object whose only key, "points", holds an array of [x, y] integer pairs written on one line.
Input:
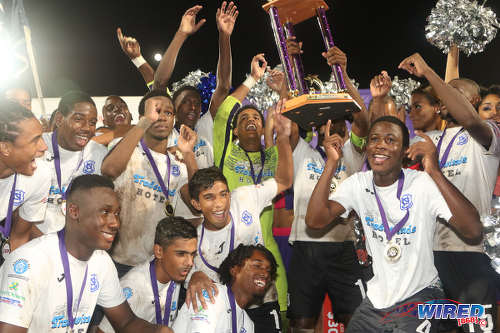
{"points": [[11, 114]]}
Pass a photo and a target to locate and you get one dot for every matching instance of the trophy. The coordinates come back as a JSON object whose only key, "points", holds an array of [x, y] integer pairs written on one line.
{"points": [[307, 108]]}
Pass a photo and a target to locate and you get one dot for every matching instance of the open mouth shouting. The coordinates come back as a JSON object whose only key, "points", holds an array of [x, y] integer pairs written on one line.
{"points": [[82, 139]]}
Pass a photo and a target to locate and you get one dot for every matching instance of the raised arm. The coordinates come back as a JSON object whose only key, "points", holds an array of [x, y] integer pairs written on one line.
{"points": [[187, 27], [258, 67], [130, 46], [185, 143], [456, 103], [116, 161], [321, 211], [284, 168], [225, 18], [360, 126], [452, 64], [465, 217]]}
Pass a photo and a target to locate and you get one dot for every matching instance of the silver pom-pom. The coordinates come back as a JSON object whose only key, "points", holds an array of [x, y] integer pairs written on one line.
{"points": [[330, 86], [401, 91], [261, 95], [464, 23], [192, 79], [491, 230]]}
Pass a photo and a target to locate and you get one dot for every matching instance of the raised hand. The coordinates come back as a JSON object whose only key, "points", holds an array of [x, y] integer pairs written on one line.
{"points": [[152, 109], [415, 65], [226, 18], [380, 85], [282, 125], [257, 69], [335, 56], [187, 139], [188, 24], [293, 47], [276, 80], [426, 151], [333, 144], [130, 46]]}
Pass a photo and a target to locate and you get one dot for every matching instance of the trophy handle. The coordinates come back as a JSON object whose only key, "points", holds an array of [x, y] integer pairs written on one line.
{"points": [[279, 37], [328, 39], [297, 61]]}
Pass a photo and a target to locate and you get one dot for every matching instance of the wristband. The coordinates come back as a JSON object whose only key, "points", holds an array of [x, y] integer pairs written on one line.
{"points": [[357, 141], [249, 82], [139, 61]]}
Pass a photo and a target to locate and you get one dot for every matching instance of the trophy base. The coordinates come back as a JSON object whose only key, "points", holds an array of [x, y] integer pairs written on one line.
{"points": [[314, 110], [295, 11]]}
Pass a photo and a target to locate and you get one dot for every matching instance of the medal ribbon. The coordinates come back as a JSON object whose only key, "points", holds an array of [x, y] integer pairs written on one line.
{"points": [[443, 160], [252, 171], [388, 232], [231, 244], [67, 279], [164, 189], [57, 164], [168, 301], [233, 308], [5, 230]]}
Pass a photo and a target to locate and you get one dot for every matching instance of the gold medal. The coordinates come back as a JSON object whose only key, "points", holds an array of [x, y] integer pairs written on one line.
{"points": [[392, 252], [169, 209]]}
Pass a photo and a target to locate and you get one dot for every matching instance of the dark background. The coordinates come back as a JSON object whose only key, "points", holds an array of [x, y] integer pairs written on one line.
{"points": [[76, 47]]}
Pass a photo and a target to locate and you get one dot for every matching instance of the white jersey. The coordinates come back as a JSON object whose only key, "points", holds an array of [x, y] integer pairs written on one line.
{"points": [[216, 319], [30, 194], [143, 202], [205, 127], [473, 170], [394, 282], [308, 167], [138, 291], [33, 287], [204, 156], [247, 203], [73, 164]]}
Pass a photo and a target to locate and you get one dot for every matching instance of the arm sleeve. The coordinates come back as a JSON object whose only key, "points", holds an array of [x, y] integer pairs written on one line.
{"points": [[111, 293], [134, 300], [260, 195], [437, 204], [19, 290], [495, 144], [33, 209], [345, 195], [222, 127]]}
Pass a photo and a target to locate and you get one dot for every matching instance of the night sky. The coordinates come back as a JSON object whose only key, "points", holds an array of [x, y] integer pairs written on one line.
{"points": [[76, 47]]}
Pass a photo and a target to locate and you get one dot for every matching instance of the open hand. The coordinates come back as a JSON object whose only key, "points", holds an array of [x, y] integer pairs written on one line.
{"points": [[188, 24], [226, 18], [187, 139]]}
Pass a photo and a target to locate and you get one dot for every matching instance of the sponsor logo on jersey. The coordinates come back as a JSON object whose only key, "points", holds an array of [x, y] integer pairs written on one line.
{"points": [[406, 202], [94, 283], [21, 266], [127, 291], [462, 140], [246, 217], [13, 286], [89, 167], [176, 172], [10, 301], [19, 197]]}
